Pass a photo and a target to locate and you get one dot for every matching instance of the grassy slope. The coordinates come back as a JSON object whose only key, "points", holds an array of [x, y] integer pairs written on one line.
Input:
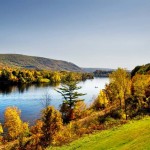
{"points": [[132, 136]]}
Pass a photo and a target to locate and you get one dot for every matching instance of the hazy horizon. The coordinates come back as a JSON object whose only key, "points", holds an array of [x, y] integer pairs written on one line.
{"points": [[91, 34]]}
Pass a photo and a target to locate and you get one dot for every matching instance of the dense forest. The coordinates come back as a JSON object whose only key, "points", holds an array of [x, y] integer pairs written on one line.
{"points": [[126, 97], [21, 76]]}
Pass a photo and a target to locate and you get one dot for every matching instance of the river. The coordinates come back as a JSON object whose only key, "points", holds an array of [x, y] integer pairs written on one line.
{"points": [[28, 98]]}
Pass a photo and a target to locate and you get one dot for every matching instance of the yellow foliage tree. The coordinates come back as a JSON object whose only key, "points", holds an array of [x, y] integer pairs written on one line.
{"points": [[140, 84], [120, 85], [1, 129], [101, 101], [55, 77], [13, 123]]}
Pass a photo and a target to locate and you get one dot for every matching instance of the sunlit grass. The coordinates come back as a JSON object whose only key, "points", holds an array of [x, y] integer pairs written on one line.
{"points": [[132, 136]]}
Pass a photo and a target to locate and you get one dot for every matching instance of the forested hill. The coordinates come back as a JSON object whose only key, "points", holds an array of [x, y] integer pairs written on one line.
{"points": [[31, 62], [144, 69]]}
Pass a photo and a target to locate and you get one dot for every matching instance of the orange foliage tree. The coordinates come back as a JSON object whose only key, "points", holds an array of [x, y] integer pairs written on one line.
{"points": [[52, 123]]}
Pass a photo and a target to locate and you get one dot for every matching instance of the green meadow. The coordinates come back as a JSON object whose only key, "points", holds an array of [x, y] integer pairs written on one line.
{"points": [[134, 135]]}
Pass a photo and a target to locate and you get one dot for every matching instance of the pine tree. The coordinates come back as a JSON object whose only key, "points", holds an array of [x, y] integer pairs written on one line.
{"points": [[71, 96]]}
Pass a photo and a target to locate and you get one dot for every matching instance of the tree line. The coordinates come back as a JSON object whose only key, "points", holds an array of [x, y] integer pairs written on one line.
{"points": [[14, 76], [102, 73], [130, 93]]}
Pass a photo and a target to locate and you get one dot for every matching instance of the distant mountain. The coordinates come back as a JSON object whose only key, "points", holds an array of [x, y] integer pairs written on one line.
{"points": [[90, 70], [31, 62]]}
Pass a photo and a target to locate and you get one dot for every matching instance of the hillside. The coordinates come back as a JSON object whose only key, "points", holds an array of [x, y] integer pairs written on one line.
{"points": [[23, 61], [134, 135], [144, 69]]}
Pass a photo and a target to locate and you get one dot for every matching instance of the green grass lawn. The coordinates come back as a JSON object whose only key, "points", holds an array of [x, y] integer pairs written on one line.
{"points": [[132, 136]]}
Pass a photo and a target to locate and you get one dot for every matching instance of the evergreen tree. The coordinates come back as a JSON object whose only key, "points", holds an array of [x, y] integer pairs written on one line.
{"points": [[71, 96]]}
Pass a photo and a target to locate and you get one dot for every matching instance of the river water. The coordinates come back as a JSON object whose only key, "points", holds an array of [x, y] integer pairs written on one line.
{"points": [[29, 98]]}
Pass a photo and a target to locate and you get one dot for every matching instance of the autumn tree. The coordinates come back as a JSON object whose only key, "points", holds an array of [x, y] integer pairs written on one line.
{"points": [[140, 86], [37, 133], [52, 123], [70, 93], [121, 85], [56, 78], [1, 129], [15, 127], [101, 101], [72, 77]]}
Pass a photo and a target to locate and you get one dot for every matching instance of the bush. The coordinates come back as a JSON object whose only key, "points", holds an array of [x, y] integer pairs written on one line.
{"points": [[43, 80], [116, 114]]}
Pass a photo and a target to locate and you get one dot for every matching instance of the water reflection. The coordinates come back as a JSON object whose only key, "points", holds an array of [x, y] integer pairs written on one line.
{"points": [[6, 89]]}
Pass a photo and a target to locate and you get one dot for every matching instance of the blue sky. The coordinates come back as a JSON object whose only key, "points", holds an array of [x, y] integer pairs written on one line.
{"points": [[89, 33]]}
